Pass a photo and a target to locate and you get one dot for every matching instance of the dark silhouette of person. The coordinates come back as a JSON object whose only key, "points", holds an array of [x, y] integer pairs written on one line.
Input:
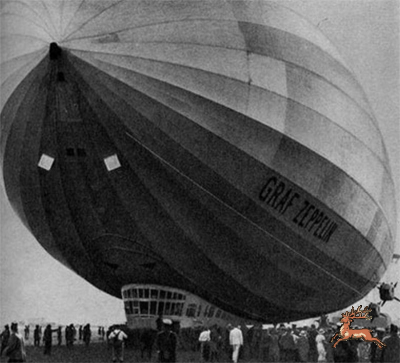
{"points": [[73, 330], [70, 333], [26, 330], [287, 346], [273, 346], [109, 331], [67, 334], [87, 333], [59, 335], [80, 332], [215, 344], [313, 352], [166, 343], [5, 336], [36, 336], [48, 339], [159, 322], [303, 347]]}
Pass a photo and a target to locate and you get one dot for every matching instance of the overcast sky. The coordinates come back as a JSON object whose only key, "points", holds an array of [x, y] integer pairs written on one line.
{"points": [[366, 33]]}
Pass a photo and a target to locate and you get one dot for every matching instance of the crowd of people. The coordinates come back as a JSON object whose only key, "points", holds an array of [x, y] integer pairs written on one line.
{"points": [[215, 344], [46, 337], [293, 344]]}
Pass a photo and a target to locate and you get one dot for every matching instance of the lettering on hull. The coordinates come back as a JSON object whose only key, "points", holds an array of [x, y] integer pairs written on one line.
{"points": [[279, 196]]}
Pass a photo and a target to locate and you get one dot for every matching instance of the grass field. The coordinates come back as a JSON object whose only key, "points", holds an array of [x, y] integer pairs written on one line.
{"points": [[95, 353]]}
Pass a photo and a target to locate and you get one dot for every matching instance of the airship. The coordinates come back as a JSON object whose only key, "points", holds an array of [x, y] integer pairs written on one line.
{"points": [[171, 152]]}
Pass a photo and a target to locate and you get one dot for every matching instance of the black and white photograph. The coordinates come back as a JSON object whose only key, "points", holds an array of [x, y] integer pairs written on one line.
{"points": [[200, 181]]}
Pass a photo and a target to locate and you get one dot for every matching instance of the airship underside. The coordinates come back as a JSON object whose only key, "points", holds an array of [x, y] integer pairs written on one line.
{"points": [[218, 154]]}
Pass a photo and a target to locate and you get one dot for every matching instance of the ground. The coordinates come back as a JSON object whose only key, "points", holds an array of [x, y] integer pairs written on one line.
{"points": [[95, 353]]}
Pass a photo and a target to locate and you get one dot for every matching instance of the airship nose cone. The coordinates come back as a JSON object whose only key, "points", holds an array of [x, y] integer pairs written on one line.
{"points": [[55, 51]]}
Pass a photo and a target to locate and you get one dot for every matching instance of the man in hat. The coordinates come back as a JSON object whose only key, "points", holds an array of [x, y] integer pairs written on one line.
{"points": [[166, 343], [15, 350], [287, 345]]}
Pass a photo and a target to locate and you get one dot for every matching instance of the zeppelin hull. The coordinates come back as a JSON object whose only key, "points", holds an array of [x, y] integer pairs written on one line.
{"points": [[232, 172]]}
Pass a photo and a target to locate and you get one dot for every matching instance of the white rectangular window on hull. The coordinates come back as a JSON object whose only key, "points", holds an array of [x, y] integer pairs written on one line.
{"points": [[112, 162], [46, 162]]}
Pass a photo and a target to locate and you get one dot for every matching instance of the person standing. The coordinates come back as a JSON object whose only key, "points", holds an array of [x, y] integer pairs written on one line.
{"points": [[215, 344], [67, 335], [5, 336], [313, 353], [328, 347], [303, 346], [321, 342], [204, 339], [15, 350], [26, 332], [274, 351], [264, 343], [36, 336], [391, 353], [236, 341], [116, 339], [166, 343], [48, 339], [227, 349], [59, 335], [287, 345], [159, 322], [87, 334], [73, 329], [70, 334]]}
